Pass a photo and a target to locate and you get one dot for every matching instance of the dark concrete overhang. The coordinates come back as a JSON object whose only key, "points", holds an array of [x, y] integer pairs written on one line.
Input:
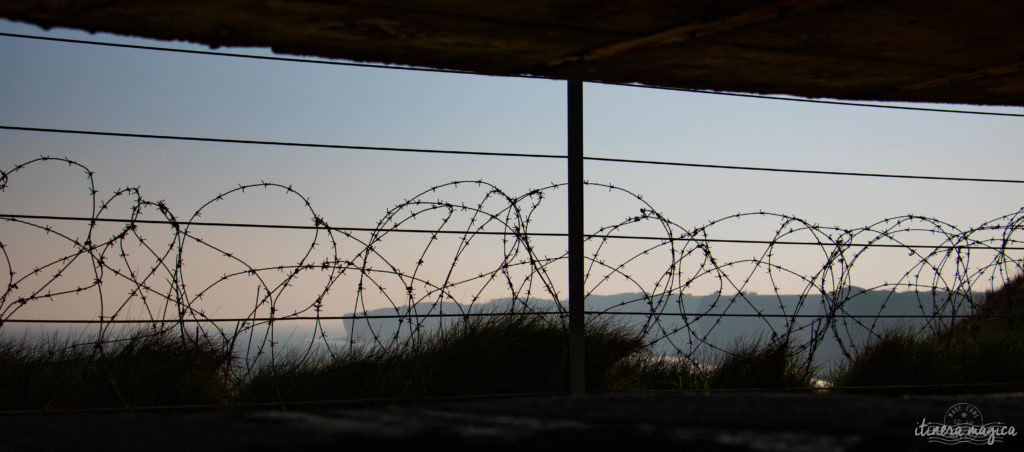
{"points": [[949, 51]]}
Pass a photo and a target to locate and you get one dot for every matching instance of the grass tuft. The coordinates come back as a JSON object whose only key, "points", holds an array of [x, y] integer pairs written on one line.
{"points": [[749, 365], [752, 365], [142, 369], [646, 371], [979, 353], [483, 355], [495, 355]]}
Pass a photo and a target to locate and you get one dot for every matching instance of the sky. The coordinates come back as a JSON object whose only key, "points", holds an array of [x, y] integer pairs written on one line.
{"points": [[73, 86]]}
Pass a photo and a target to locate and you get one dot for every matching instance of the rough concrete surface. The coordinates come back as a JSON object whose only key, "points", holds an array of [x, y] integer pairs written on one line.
{"points": [[649, 421], [909, 50]]}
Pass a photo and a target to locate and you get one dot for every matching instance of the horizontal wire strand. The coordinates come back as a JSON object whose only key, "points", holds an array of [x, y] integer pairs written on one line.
{"points": [[274, 143], [803, 171], [278, 404], [464, 72], [496, 233], [393, 400], [501, 154], [694, 315], [838, 102]]}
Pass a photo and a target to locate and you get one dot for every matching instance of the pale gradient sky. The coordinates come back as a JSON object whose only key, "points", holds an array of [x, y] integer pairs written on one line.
{"points": [[56, 85]]}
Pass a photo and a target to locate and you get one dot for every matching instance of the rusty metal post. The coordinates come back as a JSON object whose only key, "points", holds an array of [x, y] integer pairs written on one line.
{"points": [[577, 348]]}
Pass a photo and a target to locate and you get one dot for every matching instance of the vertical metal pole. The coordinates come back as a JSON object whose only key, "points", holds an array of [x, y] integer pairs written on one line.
{"points": [[577, 349]]}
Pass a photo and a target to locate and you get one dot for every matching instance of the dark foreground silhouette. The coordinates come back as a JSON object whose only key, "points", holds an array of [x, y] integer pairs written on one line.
{"points": [[656, 421]]}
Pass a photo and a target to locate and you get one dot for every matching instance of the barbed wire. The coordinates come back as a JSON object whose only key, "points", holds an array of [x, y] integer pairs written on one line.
{"points": [[480, 258]]}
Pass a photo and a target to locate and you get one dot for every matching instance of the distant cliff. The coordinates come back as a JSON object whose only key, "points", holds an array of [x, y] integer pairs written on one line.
{"points": [[704, 323]]}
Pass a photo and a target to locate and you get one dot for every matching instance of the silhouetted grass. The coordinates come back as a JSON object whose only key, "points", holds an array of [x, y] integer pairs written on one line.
{"points": [[749, 365], [484, 355], [496, 355], [754, 365], [646, 371], [143, 369], [980, 353]]}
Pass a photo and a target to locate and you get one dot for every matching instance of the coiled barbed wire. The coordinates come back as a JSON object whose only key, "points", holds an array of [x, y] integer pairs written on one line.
{"points": [[135, 272]]}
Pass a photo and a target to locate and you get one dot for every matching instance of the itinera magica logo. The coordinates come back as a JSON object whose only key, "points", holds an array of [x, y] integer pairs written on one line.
{"points": [[964, 424]]}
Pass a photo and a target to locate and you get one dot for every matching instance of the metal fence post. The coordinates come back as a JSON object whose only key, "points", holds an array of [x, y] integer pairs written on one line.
{"points": [[577, 363]]}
